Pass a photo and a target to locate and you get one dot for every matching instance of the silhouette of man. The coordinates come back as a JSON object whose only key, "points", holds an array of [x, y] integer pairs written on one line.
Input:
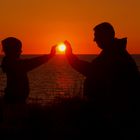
{"points": [[16, 69], [112, 78]]}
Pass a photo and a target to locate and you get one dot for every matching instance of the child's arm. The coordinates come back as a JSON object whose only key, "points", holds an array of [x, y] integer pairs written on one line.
{"points": [[32, 63], [81, 66]]}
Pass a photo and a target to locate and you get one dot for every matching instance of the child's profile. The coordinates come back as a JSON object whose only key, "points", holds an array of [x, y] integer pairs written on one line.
{"points": [[16, 69]]}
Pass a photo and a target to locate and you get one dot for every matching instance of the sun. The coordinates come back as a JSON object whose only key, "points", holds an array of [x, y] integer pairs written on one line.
{"points": [[61, 47]]}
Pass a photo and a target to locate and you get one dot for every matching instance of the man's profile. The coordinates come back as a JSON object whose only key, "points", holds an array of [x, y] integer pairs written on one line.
{"points": [[112, 78]]}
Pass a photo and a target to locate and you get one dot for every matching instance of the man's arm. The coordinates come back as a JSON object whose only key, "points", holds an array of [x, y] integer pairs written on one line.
{"points": [[79, 65]]}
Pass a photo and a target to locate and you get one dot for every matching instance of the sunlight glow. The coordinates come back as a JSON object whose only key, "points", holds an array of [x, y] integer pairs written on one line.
{"points": [[61, 47]]}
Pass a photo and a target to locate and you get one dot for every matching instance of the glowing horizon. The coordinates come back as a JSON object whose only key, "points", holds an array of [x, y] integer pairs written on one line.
{"points": [[40, 24]]}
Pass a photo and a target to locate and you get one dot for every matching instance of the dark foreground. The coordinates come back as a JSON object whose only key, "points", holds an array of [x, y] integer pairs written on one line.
{"points": [[69, 119]]}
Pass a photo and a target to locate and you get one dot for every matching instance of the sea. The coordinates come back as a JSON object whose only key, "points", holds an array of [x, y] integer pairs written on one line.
{"points": [[55, 80]]}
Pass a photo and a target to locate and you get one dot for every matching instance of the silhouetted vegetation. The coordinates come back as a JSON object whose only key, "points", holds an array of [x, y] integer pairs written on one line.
{"points": [[70, 118]]}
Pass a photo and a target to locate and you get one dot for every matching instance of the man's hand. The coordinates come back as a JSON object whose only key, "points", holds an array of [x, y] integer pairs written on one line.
{"points": [[68, 48]]}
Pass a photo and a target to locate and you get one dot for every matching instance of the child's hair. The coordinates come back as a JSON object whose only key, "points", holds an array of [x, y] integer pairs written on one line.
{"points": [[11, 45]]}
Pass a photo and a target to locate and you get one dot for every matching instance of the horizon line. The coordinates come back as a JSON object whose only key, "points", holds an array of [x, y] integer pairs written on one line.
{"points": [[64, 54]]}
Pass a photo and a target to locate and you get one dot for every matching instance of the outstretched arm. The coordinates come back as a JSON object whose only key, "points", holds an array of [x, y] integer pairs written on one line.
{"points": [[80, 65], [32, 63]]}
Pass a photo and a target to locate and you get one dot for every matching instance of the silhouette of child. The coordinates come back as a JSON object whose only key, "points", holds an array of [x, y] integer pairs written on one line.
{"points": [[16, 69]]}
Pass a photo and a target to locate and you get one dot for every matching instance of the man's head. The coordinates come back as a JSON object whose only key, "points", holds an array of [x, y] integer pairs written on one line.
{"points": [[12, 46], [104, 34]]}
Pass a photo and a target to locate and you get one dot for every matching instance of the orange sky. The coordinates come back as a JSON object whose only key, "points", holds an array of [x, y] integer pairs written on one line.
{"points": [[42, 23]]}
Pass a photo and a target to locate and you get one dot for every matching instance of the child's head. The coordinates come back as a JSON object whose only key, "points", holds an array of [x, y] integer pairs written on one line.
{"points": [[12, 46]]}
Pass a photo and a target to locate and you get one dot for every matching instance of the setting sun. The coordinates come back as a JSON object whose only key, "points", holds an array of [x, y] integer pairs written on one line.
{"points": [[61, 47]]}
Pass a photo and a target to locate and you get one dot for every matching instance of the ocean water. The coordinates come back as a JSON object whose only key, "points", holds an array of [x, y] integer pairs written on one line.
{"points": [[54, 80]]}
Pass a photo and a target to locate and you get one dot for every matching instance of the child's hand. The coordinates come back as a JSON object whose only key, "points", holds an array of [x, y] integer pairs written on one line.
{"points": [[53, 51]]}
